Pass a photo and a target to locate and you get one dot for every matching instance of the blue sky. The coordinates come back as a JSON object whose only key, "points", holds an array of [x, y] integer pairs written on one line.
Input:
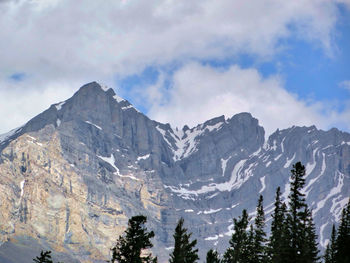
{"points": [[182, 62], [308, 70]]}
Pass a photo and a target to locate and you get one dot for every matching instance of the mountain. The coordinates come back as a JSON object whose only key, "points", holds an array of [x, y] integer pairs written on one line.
{"points": [[72, 176]]}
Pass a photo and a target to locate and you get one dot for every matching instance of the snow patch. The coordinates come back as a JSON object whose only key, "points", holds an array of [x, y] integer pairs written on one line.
{"points": [[238, 177], [211, 211], [31, 137], [216, 237], [118, 99], [314, 142], [127, 107], [58, 122], [256, 153], [33, 140], [282, 145], [286, 191], [22, 187], [274, 147], [311, 166], [59, 105], [212, 196], [217, 126], [111, 161], [162, 132], [323, 168], [129, 176], [98, 127], [323, 242], [279, 156], [223, 165], [104, 87], [263, 185], [289, 162], [186, 142], [328, 146], [144, 157], [187, 146], [335, 190], [337, 206]]}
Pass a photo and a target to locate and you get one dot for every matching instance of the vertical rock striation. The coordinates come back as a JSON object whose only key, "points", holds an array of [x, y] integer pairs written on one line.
{"points": [[72, 176]]}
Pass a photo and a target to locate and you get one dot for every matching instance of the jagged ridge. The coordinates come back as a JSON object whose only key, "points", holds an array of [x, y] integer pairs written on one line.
{"points": [[122, 163]]}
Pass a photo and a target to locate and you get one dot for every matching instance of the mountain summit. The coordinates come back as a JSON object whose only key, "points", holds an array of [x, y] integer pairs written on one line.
{"points": [[73, 175]]}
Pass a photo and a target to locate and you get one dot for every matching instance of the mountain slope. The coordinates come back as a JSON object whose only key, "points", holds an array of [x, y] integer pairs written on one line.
{"points": [[73, 175]]}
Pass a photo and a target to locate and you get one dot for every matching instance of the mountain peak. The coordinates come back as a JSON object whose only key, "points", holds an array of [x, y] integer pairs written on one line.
{"points": [[94, 88], [97, 161]]}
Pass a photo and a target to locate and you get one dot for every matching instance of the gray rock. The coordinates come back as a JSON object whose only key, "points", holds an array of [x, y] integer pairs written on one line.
{"points": [[209, 172]]}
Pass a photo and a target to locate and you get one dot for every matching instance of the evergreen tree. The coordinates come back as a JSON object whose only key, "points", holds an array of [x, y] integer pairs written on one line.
{"points": [[251, 254], [297, 205], [240, 242], [213, 256], [310, 250], [343, 238], [300, 233], [45, 257], [327, 255], [259, 238], [131, 245], [331, 251], [184, 251], [296, 211], [278, 242]]}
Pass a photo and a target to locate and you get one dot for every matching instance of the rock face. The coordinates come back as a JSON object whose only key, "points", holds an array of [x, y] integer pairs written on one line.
{"points": [[72, 176]]}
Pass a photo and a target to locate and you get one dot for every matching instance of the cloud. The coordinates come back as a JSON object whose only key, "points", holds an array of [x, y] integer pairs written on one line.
{"points": [[22, 101], [200, 92], [58, 43], [345, 84], [60, 38]]}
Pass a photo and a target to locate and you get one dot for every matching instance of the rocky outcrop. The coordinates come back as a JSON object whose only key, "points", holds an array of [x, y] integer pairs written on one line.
{"points": [[73, 175]]}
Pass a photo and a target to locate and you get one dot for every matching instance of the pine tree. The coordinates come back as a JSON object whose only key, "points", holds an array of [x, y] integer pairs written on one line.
{"points": [[331, 250], [327, 255], [213, 257], [296, 209], [184, 251], [343, 238], [251, 254], [45, 257], [300, 233], [259, 237], [240, 242], [278, 242], [310, 250], [297, 205], [131, 245]]}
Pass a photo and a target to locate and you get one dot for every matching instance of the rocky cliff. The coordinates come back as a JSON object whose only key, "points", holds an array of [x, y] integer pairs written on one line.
{"points": [[72, 176]]}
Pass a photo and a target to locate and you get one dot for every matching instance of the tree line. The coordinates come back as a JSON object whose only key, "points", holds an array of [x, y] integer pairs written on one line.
{"points": [[292, 236]]}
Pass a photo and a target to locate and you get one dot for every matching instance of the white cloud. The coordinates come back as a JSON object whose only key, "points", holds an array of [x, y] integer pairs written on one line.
{"points": [[61, 38], [60, 41], [21, 103], [345, 84], [202, 92]]}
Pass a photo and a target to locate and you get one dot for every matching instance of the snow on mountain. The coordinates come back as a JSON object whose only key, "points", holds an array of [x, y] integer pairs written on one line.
{"points": [[206, 174]]}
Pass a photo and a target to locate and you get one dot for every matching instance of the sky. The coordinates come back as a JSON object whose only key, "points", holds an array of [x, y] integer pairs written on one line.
{"points": [[181, 62]]}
